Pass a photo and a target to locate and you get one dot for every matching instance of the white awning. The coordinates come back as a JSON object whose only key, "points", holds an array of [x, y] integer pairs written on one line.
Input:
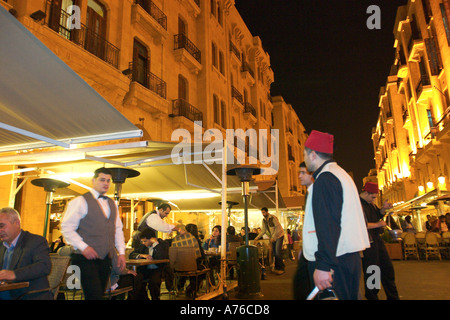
{"points": [[189, 186], [43, 102]]}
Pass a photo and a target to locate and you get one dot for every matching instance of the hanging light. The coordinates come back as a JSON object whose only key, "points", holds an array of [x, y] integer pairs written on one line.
{"points": [[430, 185], [441, 179]]}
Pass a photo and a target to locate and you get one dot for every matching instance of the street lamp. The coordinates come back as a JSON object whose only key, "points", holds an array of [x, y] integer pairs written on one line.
{"points": [[247, 256], [50, 186]]}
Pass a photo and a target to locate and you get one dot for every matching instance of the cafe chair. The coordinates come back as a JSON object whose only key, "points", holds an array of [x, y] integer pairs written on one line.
{"points": [[410, 246], [432, 245], [110, 294], [183, 261], [445, 244], [232, 259], [55, 277], [420, 239]]}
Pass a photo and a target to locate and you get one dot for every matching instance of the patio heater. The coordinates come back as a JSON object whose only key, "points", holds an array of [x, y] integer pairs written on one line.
{"points": [[119, 175], [50, 186], [247, 256], [230, 205]]}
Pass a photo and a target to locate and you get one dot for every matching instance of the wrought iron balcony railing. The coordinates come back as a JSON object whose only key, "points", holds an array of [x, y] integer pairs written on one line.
{"points": [[61, 22], [246, 67], [236, 94], [235, 50], [183, 42], [249, 108], [181, 107], [148, 80], [153, 11]]}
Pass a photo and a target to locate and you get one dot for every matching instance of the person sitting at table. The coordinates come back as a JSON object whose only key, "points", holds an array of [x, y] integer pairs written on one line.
{"points": [[201, 261], [232, 237], [121, 278], [151, 248], [24, 257], [443, 227], [214, 242], [408, 225]]}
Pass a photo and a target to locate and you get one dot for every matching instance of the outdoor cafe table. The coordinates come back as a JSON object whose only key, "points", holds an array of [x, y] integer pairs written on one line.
{"points": [[5, 286], [133, 263]]}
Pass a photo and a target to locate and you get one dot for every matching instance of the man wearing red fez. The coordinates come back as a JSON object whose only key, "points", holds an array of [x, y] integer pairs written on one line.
{"points": [[334, 228], [376, 254]]}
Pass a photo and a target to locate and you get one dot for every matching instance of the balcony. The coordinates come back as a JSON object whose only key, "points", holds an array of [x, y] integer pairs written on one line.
{"points": [[249, 113], [148, 80], [423, 88], [147, 92], [236, 55], [406, 120], [147, 16], [248, 108], [186, 52], [192, 6], [182, 108], [60, 22], [247, 73], [237, 95]]}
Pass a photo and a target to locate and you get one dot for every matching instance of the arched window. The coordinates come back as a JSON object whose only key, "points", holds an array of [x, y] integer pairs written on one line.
{"points": [[96, 24]]}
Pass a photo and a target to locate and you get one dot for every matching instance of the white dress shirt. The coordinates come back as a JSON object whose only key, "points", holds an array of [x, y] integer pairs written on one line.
{"points": [[154, 221], [77, 210]]}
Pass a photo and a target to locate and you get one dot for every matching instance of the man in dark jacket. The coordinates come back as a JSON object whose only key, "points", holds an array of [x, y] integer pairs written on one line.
{"points": [[377, 254], [151, 248], [23, 257]]}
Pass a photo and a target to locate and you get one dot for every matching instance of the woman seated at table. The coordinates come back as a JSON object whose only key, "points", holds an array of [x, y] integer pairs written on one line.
{"points": [[151, 248], [215, 240]]}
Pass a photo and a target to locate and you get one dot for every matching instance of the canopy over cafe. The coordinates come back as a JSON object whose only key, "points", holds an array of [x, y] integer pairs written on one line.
{"points": [[433, 203], [55, 130]]}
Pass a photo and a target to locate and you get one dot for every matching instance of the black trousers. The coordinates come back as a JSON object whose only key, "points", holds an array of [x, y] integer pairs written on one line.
{"points": [[301, 284], [377, 255], [151, 278], [94, 275], [347, 273]]}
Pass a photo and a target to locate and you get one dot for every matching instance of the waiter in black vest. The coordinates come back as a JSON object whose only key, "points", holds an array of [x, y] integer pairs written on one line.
{"points": [[91, 224]]}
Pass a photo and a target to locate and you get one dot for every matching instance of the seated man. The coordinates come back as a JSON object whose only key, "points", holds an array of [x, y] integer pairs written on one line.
{"points": [[23, 257], [232, 237], [151, 248], [121, 278]]}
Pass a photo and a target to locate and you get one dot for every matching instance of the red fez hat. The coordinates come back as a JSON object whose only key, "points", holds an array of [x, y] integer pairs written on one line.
{"points": [[371, 187], [320, 142]]}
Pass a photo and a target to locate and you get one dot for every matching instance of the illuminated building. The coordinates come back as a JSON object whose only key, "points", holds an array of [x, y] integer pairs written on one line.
{"points": [[412, 137], [163, 64]]}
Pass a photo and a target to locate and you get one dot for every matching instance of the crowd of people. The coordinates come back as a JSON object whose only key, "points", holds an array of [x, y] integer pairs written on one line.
{"points": [[340, 235], [92, 234]]}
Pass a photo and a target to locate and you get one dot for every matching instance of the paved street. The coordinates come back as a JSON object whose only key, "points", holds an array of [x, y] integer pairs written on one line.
{"points": [[416, 280]]}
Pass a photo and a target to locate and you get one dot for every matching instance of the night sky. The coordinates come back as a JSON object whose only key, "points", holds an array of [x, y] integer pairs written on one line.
{"points": [[329, 66]]}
